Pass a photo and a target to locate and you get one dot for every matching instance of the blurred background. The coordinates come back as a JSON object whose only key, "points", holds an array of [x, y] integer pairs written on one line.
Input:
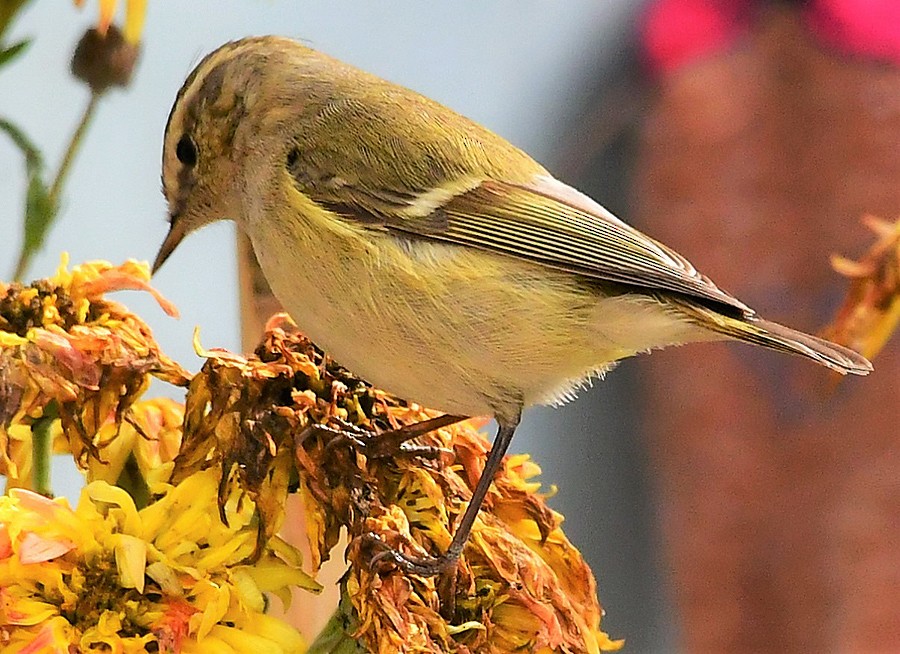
{"points": [[727, 500]]}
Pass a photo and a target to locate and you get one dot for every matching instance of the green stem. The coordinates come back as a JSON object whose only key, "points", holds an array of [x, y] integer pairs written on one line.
{"points": [[74, 145], [42, 450], [335, 637]]}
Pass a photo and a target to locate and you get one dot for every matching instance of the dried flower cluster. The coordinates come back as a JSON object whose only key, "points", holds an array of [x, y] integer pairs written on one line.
{"points": [[520, 586], [188, 571]]}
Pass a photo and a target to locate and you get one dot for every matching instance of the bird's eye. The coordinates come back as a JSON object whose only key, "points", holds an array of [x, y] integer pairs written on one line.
{"points": [[186, 150]]}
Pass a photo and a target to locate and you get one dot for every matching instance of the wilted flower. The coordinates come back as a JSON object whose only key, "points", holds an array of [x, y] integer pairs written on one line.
{"points": [[65, 347], [871, 312], [520, 584], [240, 417], [171, 577]]}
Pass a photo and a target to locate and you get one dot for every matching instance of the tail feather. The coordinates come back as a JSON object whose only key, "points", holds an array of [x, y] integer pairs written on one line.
{"points": [[778, 337], [751, 329]]}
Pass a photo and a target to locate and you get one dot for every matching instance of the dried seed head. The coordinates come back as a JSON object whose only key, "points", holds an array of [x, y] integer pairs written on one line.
{"points": [[103, 61]]}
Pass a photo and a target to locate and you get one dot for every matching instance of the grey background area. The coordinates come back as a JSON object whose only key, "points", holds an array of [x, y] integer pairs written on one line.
{"points": [[520, 67]]}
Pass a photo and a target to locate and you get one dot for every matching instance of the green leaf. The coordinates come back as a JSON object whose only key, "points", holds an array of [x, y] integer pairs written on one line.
{"points": [[33, 158], [13, 51], [8, 11], [335, 637], [40, 208], [39, 214]]}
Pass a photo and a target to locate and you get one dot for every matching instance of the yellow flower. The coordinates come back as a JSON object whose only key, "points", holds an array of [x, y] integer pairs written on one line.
{"points": [[135, 12], [109, 578], [190, 572]]}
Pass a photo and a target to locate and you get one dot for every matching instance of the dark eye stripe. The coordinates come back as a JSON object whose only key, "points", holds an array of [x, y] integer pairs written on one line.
{"points": [[186, 150]]}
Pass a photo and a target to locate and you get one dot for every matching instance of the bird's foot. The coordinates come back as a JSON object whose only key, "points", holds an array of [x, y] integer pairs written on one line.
{"points": [[424, 566]]}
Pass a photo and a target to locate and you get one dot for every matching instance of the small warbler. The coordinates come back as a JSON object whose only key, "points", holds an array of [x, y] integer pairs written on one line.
{"points": [[426, 253]]}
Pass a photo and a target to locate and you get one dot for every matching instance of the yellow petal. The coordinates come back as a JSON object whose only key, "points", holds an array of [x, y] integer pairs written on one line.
{"points": [[249, 592], [245, 642], [849, 268], [135, 12], [25, 611], [198, 347], [53, 638], [217, 601], [166, 578], [123, 510], [270, 575], [131, 561], [286, 637], [10, 340], [107, 9]]}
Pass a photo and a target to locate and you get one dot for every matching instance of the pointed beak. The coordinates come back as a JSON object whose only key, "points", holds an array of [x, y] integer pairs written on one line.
{"points": [[176, 233]]}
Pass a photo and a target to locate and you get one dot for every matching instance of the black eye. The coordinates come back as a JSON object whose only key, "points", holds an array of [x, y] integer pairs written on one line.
{"points": [[293, 157], [186, 150]]}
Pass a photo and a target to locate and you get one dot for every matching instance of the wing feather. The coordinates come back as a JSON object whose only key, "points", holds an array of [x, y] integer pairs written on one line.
{"points": [[543, 221], [551, 224]]}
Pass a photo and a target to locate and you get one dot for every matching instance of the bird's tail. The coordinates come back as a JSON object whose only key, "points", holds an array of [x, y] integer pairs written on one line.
{"points": [[756, 331]]}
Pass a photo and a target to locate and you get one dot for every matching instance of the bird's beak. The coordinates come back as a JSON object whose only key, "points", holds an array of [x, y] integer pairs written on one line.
{"points": [[177, 232]]}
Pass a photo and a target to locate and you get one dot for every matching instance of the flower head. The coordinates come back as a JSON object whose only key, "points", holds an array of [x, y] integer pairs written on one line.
{"points": [[520, 585], [65, 347], [103, 61], [190, 571], [106, 577]]}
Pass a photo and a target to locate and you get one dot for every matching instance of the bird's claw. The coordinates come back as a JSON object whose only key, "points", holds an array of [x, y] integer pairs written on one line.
{"points": [[426, 566]]}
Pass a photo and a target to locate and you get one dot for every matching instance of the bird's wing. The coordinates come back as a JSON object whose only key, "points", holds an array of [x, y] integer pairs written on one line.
{"points": [[543, 221]]}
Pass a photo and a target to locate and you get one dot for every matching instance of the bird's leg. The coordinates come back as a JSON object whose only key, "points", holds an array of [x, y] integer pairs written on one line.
{"points": [[432, 565]]}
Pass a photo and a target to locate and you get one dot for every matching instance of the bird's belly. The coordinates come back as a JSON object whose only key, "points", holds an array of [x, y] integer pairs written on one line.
{"points": [[459, 331]]}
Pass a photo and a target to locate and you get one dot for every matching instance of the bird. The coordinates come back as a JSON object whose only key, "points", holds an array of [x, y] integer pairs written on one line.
{"points": [[426, 253]]}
